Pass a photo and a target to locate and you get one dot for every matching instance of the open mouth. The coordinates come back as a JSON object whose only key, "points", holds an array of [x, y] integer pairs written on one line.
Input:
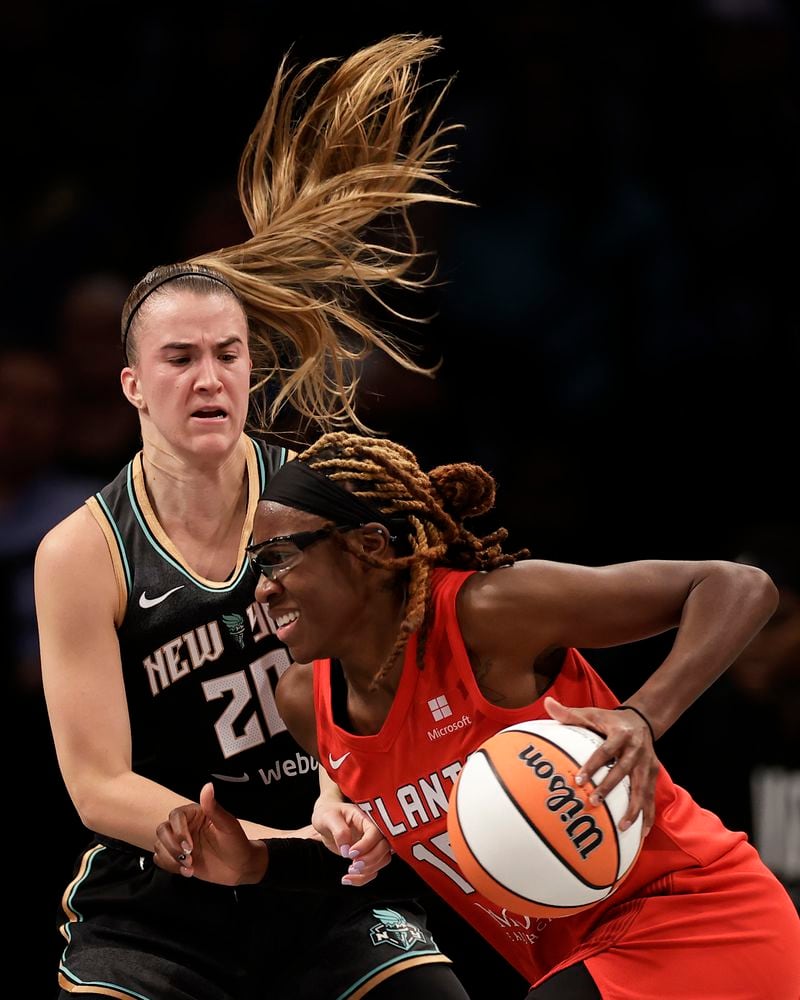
{"points": [[283, 623], [210, 413]]}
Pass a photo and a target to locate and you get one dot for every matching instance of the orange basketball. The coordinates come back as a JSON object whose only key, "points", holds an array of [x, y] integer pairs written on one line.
{"points": [[526, 836]]}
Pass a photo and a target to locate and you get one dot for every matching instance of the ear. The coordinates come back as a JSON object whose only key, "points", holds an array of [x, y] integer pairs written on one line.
{"points": [[375, 539], [130, 387]]}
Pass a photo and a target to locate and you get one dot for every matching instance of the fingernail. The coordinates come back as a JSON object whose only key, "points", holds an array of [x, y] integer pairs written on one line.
{"points": [[344, 850], [185, 847], [579, 779], [346, 881], [354, 854], [596, 798], [356, 868], [624, 824]]}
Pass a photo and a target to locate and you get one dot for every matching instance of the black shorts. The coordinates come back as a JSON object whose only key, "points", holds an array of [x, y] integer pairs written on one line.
{"points": [[136, 932]]}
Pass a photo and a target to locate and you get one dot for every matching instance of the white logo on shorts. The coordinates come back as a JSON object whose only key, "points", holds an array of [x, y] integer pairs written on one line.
{"points": [[393, 929]]}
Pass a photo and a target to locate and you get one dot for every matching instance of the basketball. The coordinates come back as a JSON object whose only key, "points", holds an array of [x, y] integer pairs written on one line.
{"points": [[526, 836]]}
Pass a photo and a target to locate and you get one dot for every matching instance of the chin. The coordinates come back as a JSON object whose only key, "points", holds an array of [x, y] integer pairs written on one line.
{"points": [[301, 654], [215, 442]]}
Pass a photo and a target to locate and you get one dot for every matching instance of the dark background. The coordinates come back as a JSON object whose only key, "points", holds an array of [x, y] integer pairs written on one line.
{"points": [[619, 327], [618, 318]]}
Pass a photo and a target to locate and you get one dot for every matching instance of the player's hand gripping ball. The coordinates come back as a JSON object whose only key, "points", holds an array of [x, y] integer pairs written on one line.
{"points": [[526, 836]]}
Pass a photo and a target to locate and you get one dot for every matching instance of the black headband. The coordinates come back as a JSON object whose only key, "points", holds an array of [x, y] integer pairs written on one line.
{"points": [[182, 272], [301, 487]]}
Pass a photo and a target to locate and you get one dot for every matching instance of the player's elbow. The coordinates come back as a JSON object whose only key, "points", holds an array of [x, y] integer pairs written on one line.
{"points": [[90, 799], [758, 588], [86, 804]]}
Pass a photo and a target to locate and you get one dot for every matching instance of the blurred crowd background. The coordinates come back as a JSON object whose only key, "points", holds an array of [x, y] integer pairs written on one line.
{"points": [[618, 315]]}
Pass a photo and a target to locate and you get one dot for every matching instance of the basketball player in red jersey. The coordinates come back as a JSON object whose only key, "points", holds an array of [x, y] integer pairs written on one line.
{"points": [[427, 639]]}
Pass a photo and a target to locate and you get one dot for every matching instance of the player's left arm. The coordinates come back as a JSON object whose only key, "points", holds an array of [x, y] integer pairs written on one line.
{"points": [[516, 614]]}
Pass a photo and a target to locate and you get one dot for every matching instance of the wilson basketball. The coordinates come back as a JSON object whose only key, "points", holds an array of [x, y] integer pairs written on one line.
{"points": [[526, 836]]}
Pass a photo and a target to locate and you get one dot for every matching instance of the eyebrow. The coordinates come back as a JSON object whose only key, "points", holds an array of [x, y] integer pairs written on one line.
{"points": [[181, 345]]}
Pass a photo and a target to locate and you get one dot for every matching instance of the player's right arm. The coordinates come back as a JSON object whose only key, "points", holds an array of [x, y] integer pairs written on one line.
{"points": [[77, 611], [76, 606]]}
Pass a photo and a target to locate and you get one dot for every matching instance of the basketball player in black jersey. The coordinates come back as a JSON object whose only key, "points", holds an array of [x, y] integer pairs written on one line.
{"points": [[148, 625], [150, 632]]}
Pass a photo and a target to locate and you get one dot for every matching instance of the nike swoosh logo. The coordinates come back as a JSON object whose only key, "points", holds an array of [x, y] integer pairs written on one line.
{"points": [[150, 602], [338, 761], [231, 777]]}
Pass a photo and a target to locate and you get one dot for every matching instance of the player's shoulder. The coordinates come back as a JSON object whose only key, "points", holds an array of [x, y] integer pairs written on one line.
{"points": [[295, 692], [72, 560], [294, 697], [77, 536], [495, 589], [295, 689]]}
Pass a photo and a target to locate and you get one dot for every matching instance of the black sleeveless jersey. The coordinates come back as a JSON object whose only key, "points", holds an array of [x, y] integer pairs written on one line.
{"points": [[200, 662]]}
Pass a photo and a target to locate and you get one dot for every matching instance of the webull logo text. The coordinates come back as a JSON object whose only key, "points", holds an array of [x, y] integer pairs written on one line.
{"points": [[580, 827]]}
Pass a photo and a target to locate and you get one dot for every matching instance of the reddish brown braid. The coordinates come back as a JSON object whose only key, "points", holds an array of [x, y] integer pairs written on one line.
{"points": [[435, 505]]}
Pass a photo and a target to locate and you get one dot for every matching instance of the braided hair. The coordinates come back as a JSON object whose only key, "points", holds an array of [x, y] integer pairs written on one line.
{"points": [[434, 505]]}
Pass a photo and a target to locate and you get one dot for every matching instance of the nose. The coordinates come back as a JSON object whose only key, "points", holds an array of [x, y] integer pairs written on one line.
{"points": [[207, 376], [266, 588]]}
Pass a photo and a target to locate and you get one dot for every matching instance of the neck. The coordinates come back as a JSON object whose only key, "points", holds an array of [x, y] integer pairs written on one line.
{"points": [[374, 635], [177, 482], [206, 501]]}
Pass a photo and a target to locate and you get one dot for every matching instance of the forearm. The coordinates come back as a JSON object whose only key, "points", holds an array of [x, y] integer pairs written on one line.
{"points": [[126, 807], [257, 831], [130, 807], [328, 792], [328, 789], [721, 615]]}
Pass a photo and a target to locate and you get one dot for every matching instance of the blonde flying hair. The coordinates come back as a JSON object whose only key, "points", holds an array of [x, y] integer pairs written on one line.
{"points": [[340, 150], [434, 504]]}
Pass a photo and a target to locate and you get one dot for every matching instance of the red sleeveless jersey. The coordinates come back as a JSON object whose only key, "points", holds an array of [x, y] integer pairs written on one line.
{"points": [[403, 775]]}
